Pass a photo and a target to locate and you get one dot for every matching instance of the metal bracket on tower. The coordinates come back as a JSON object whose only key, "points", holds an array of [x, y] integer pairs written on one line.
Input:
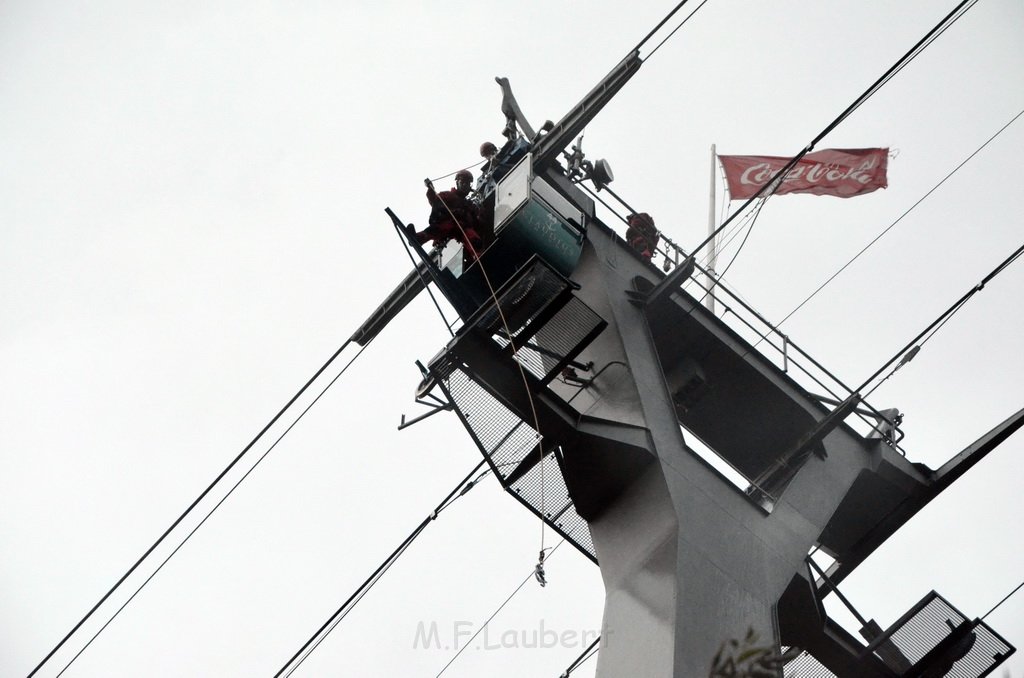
{"points": [[825, 426], [444, 407], [664, 288], [423, 391]]}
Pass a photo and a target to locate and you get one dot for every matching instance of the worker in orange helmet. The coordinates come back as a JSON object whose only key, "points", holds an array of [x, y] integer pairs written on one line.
{"points": [[452, 216]]}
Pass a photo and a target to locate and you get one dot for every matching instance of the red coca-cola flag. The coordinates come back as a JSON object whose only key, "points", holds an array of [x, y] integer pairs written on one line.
{"points": [[841, 172]]}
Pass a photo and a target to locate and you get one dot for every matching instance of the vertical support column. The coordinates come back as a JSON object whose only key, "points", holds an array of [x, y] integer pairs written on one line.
{"points": [[636, 544], [679, 552]]}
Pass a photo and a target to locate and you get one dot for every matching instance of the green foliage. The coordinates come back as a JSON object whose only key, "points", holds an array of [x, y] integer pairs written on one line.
{"points": [[746, 659]]}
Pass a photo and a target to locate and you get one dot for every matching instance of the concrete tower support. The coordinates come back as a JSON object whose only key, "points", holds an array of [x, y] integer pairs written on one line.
{"points": [[684, 553], [624, 373]]}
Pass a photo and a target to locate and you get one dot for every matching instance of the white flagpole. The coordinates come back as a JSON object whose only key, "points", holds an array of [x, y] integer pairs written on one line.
{"points": [[712, 225]]}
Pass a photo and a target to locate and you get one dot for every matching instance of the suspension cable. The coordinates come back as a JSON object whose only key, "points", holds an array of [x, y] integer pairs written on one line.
{"points": [[190, 508], [582, 659], [1005, 598], [681, 24], [212, 510], [943, 25], [658, 27], [908, 352], [494, 614], [464, 486], [900, 218], [900, 64]]}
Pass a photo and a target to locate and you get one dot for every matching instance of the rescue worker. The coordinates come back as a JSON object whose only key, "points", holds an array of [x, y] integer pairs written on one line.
{"points": [[642, 235], [488, 151], [452, 216], [485, 186]]}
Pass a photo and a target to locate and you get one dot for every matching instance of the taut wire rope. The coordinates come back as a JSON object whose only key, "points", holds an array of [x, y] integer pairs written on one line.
{"points": [[900, 64], [1005, 598], [215, 507], [466, 168], [582, 659], [190, 508], [899, 218], [912, 347], [493, 615], [321, 633]]}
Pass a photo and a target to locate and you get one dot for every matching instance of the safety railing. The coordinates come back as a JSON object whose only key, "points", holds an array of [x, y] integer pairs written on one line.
{"points": [[776, 346]]}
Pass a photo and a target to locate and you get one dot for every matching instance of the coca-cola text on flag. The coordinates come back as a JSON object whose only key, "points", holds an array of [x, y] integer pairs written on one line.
{"points": [[840, 172]]}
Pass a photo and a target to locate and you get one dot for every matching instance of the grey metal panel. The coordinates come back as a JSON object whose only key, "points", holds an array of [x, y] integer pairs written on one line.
{"points": [[512, 192]]}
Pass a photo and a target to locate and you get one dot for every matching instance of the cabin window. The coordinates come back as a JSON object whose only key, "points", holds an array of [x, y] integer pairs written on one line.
{"points": [[512, 193]]}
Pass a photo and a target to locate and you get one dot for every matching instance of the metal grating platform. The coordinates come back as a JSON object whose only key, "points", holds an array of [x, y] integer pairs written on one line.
{"points": [[936, 639], [506, 441], [548, 326], [934, 622], [545, 354], [536, 321], [804, 665], [932, 640]]}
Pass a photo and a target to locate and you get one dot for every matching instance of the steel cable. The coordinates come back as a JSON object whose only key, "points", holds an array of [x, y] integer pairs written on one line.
{"points": [[328, 626], [187, 511], [900, 64], [212, 510]]}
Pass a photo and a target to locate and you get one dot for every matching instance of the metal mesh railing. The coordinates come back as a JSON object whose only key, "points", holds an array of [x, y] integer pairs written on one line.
{"points": [[559, 338], [928, 627], [538, 320], [785, 354], [977, 653], [989, 651], [545, 323], [546, 492], [804, 665], [507, 441], [933, 639]]}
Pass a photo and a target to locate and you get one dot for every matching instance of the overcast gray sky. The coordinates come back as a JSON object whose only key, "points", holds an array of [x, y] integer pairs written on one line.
{"points": [[191, 212]]}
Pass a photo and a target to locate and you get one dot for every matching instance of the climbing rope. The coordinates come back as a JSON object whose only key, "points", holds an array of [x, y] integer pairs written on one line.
{"points": [[519, 365], [463, 169]]}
